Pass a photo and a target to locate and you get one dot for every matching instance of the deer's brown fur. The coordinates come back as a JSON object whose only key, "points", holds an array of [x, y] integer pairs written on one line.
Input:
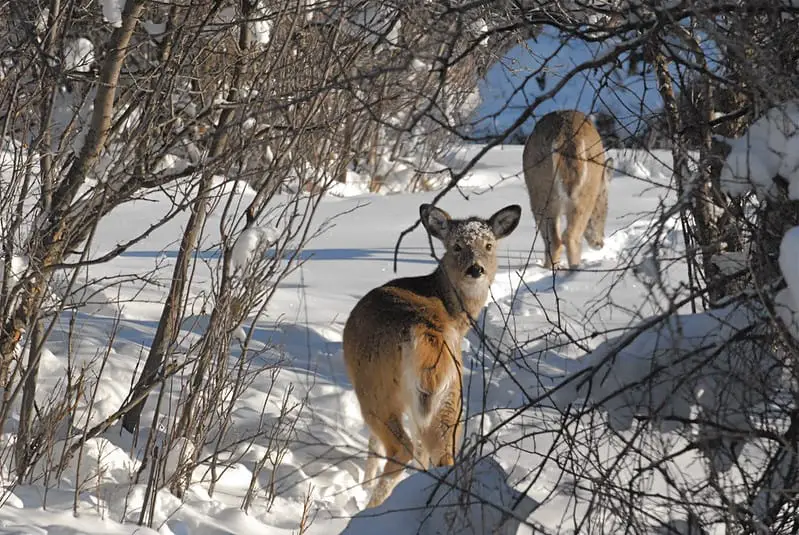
{"points": [[402, 347], [567, 173]]}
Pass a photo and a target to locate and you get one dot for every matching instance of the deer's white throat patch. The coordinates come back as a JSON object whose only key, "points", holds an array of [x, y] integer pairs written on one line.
{"points": [[475, 288]]}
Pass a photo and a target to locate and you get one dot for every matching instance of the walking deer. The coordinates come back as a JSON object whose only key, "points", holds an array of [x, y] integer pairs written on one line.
{"points": [[566, 172], [402, 347]]}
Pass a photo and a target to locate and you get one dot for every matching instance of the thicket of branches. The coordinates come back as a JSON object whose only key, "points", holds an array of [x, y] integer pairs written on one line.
{"points": [[102, 104], [687, 423]]}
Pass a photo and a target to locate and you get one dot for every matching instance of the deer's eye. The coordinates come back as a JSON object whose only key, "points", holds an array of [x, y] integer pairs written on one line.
{"points": [[457, 247], [489, 246]]}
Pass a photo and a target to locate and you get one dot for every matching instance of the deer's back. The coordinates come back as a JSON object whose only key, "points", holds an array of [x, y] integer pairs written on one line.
{"points": [[563, 158], [385, 323]]}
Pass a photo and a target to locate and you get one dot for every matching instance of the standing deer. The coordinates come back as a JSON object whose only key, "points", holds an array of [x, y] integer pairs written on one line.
{"points": [[566, 172], [402, 347]]}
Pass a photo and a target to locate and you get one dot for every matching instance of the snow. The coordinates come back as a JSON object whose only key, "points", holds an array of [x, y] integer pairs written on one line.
{"points": [[368, 21], [785, 306], [79, 55], [770, 149], [19, 265], [251, 242], [511, 85], [41, 21], [474, 498], [261, 27], [664, 346], [112, 12], [480, 29], [309, 440], [766, 150], [789, 265], [396, 175], [155, 29], [373, 24]]}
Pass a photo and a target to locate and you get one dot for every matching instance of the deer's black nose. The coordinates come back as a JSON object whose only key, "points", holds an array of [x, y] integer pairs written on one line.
{"points": [[476, 271]]}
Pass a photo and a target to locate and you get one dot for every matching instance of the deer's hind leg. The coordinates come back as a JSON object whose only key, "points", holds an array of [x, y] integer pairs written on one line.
{"points": [[547, 210], [398, 450], [438, 412], [443, 436], [577, 221], [549, 229], [373, 459]]}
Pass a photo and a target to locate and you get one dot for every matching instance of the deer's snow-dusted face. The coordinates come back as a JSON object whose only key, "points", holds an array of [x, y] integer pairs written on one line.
{"points": [[471, 249], [471, 244]]}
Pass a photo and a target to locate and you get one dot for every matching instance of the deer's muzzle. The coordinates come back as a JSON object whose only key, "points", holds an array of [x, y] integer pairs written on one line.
{"points": [[475, 271]]}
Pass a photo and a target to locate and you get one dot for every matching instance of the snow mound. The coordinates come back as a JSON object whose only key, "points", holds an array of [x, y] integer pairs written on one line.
{"points": [[224, 186], [154, 29], [672, 369], [768, 149], [355, 184], [396, 176], [785, 307], [98, 461], [642, 165], [79, 55], [471, 498]]}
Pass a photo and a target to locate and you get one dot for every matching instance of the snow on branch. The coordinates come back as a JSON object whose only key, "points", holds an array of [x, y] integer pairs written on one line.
{"points": [[251, 244], [79, 55], [765, 155]]}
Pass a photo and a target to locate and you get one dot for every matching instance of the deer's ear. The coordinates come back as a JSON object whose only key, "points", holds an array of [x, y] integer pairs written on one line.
{"points": [[435, 220], [505, 221]]}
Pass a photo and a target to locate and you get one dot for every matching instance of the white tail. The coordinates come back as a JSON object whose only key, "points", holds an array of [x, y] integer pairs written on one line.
{"points": [[402, 346], [567, 173]]}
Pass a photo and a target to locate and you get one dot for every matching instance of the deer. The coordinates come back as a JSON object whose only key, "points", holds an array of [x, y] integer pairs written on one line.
{"points": [[567, 173], [402, 348]]}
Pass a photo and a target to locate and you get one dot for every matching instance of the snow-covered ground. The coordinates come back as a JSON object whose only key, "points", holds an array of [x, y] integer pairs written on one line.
{"points": [[542, 324]]}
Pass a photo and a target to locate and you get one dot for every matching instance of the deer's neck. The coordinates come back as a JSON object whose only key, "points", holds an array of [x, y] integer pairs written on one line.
{"points": [[464, 304]]}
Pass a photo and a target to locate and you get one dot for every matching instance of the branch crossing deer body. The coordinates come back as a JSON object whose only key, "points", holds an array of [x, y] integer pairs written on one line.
{"points": [[402, 347], [567, 173]]}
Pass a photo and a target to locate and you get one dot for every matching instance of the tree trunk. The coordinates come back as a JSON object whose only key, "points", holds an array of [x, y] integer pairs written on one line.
{"points": [[169, 323], [696, 197], [24, 446]]}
